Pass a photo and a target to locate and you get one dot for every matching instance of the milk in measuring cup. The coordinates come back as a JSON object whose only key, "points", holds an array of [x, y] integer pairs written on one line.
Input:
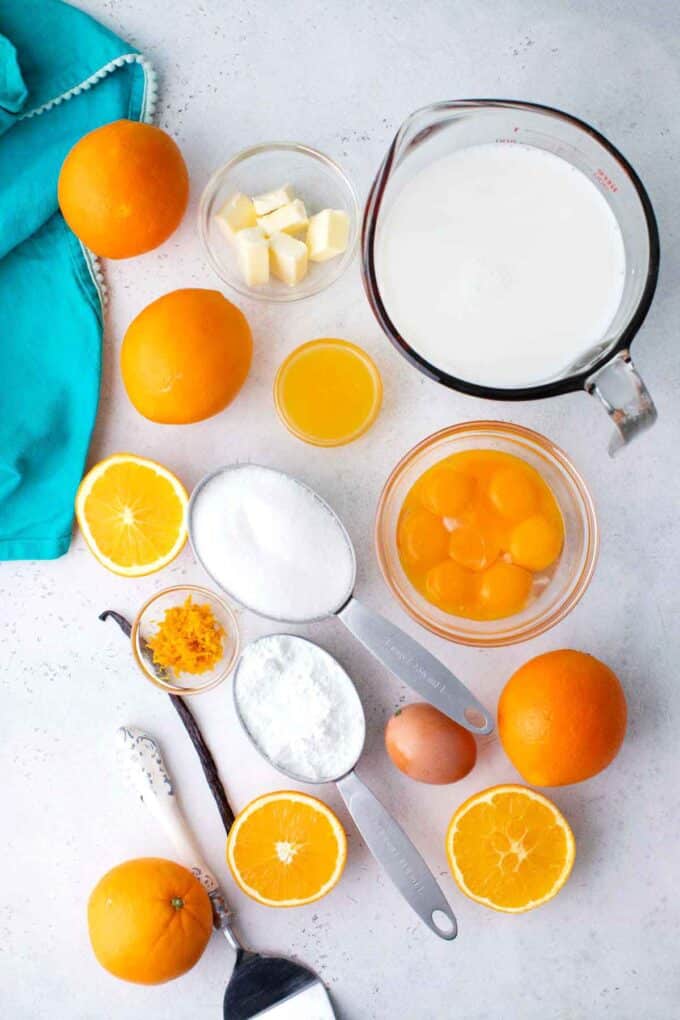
{"points": [[501, 264]]}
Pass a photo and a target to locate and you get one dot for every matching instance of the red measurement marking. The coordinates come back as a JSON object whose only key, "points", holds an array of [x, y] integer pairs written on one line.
{"points": [[606, 181]]}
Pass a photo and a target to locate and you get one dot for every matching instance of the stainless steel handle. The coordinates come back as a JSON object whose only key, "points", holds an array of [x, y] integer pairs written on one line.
{"points": [[141, 761], [415, 666], [625, 397], [397, 855]]}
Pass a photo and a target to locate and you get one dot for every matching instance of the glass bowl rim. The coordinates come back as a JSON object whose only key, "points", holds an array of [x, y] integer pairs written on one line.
{"points": [[288, 294], [230, 660], [532, 628]]}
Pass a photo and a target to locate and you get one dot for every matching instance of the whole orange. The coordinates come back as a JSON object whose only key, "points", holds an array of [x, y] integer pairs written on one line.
{"points": [[123, 188], [562, 718], [186, 356], [149, 920]]}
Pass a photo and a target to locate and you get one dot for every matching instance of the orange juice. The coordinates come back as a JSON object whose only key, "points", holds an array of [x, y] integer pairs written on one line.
{"points": [[328, 392], [479, 534]]}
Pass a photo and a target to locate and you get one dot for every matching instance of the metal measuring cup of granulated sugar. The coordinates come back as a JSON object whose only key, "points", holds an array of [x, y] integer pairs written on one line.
{"points": [[401, 654], [386, 840]]}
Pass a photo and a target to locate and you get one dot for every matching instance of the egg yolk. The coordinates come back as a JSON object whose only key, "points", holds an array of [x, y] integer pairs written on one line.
{"points": [[475, 529], [534, 543], [423, 540], [446, 491], [448, 586], [512, 493], [504, 589], [472, 547]]}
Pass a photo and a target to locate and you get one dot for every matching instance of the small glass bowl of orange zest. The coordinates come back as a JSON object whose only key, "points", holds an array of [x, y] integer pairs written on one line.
{"points": [[185, 640], [486, 533]]}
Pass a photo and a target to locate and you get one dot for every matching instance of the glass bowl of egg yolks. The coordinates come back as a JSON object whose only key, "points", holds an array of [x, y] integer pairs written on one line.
{"points": [[486, 533]]}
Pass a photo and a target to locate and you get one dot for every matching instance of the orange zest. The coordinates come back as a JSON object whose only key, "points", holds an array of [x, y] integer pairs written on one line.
{"points": [[286, 849], [189, 639], [510, 848], [132, 513]]}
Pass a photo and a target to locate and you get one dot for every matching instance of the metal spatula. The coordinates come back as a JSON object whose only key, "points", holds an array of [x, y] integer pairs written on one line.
{"points": [[271, 987]]}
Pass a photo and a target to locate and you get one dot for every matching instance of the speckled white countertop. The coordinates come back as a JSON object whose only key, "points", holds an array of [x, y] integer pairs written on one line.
{"points": [[341, 75]]}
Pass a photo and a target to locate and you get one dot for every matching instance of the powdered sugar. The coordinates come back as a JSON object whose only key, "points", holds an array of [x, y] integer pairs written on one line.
{"points": [[300, 707], [272, 544]]}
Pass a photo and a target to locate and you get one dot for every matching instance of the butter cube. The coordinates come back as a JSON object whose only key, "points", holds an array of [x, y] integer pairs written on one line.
{"points": [[237, 213], [328, 234], [288, 258], [272, 200], [289, 219], [252, 247]]}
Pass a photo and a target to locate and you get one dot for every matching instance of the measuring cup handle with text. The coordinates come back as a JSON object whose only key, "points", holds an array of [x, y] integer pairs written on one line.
{"points": [[415, 666], [397, 855], [625, 398]]}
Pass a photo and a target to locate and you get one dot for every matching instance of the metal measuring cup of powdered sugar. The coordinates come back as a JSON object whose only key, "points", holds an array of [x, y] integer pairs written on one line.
{"points": [[282, 667], [401, 654]]}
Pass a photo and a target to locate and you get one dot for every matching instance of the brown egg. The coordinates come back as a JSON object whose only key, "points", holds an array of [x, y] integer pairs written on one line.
{"points": [[428, 746]]}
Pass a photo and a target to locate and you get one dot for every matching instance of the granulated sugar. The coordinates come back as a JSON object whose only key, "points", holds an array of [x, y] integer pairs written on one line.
{"points": [[272, 544], [300, 707]]}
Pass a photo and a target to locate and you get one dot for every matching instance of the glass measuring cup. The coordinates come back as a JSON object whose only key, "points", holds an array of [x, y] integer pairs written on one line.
{"points": [[606, 371], [399, 653], [386, 840]]}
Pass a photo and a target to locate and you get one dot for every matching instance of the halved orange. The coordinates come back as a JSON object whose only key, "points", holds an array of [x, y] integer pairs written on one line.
{"points": [[286, 849], [132, 513], [510, 848]]}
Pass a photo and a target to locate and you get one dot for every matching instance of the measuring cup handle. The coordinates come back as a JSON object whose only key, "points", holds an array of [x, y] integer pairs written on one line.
{"points": [[415, 666], [625, 399], [395, 852]]}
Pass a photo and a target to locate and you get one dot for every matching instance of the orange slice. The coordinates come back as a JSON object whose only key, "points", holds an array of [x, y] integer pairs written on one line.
{"points": [[510, 848], [132, 513], [286, 849]]}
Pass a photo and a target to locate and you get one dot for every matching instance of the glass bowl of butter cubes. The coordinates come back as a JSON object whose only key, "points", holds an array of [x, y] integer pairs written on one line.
{"points": [[279, 221]]}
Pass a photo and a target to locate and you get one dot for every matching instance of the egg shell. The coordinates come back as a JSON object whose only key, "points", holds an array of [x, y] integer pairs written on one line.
{"points": [[427, 746]]}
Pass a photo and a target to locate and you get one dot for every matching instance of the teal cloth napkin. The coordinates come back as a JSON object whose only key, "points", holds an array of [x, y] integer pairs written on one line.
{"points": [[61, 75]]}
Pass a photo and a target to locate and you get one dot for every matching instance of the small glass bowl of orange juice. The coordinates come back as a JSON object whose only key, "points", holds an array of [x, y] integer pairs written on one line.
{"points": [[328, 392], [486, 533]]}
